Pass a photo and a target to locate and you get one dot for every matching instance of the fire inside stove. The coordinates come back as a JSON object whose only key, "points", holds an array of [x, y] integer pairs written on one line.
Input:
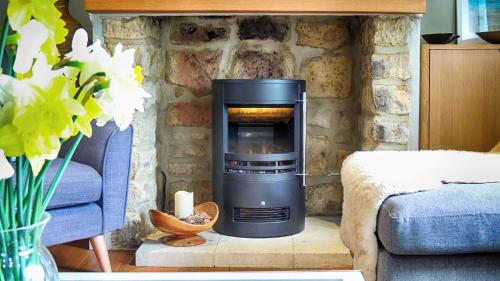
{"points": [[260, 130], [260, 114]]}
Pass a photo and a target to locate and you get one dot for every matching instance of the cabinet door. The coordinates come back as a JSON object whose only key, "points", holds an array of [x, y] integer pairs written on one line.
{"points": [[464, 99]]}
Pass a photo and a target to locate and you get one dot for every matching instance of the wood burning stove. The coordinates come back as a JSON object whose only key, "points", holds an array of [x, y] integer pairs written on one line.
{"points": [[258, 138]]}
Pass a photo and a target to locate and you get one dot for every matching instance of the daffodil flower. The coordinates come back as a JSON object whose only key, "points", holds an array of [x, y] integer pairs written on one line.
{"points": [[32, 36], [124, 95], [25, 105], [6, 170], [20, 12], [56, 107]]}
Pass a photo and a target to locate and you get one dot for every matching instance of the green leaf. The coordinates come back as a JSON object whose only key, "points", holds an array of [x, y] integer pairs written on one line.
{"points": [[12, 39]]}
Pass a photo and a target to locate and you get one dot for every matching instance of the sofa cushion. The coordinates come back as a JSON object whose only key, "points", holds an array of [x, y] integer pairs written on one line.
{"points": [[465, 267], [79, 184], [453, 219], [73, 223]]}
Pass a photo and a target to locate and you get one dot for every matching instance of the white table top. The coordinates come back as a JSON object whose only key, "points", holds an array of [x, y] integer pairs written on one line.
{"points": [[331, 275]]}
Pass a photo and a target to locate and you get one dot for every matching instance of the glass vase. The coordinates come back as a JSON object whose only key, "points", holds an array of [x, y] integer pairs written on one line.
{"points": [[23, 257]]}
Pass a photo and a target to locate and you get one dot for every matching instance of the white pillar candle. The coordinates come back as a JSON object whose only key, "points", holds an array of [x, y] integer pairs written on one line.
{"points": [[183, 204]]}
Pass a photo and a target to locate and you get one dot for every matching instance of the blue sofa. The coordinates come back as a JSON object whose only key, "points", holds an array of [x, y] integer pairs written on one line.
{"points": [[451, 233], [92, 194]]}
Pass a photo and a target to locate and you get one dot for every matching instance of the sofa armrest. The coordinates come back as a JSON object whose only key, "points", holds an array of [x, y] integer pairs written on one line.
{"points": [[108, 151]]}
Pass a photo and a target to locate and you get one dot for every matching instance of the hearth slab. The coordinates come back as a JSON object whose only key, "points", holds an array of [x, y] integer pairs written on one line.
{"points": [[155, 253], [254, 252], [318, 246]]}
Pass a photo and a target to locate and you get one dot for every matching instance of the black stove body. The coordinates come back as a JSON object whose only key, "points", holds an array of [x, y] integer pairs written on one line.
{"points": [[258, 146]]}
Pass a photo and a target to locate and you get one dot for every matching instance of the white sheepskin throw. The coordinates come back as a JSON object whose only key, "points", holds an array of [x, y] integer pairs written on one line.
{"points": [[370, 177]]}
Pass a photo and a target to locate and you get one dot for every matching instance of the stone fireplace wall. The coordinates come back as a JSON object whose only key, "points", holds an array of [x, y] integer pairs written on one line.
{"points": [[390, 52], [359, 85], [198, 49]]}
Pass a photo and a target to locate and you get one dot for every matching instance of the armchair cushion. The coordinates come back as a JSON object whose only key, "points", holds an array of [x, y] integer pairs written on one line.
{"points": [[79, 184], [453, 219]]}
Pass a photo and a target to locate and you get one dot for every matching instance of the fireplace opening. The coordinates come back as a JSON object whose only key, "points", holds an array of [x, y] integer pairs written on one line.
{"points": [[258, 156]]}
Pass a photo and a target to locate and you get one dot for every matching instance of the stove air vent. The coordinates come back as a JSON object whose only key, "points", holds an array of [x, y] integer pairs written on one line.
{"points": [[261, 215]]}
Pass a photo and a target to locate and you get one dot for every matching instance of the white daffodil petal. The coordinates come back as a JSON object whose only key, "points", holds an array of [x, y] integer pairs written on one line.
{"points": [[80, 39], [6, 170], [32, 36], [42, 73], [79, 49], [19, 91]]}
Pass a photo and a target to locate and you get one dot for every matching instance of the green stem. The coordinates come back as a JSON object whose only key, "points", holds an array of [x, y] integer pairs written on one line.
{"points": [[25, 175], [10, 64], [38, 203], [30, 183], [10, 191], [43, 171], [5, 31], [19, 190], [60, 171]]}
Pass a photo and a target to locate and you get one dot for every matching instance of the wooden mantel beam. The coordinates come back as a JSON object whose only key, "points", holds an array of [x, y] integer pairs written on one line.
{"points": [[179, 7]]}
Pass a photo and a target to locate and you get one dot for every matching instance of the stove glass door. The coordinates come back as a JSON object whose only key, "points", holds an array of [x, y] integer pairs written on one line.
{"points": [[261, 130]]}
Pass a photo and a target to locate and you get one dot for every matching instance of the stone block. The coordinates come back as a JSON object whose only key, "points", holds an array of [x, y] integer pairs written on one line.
{"points": [[330, 34], [188, 169], [390, 66], [345, 137], [389, 131], [193, 70], [263, 28], [341, 156], [190, 114], [317, 150], [328, 76], [385, 31], [254, 63], [320, 114], [189, 136], [155, 88], [144, 124], [188, 150], [190, 33], [131, 27], [142, 163], [391, 99], [346, 121], [324, 199]]}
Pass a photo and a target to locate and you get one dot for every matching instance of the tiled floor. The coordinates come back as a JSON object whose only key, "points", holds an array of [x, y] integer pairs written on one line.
{"points": [[318, 246]]}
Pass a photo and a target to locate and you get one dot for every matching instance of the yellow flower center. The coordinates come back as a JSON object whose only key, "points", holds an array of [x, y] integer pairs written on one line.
{"points": [[138, 74]]}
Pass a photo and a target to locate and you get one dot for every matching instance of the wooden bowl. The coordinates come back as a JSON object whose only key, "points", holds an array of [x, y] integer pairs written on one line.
{"points": [[184, 234], [492, 37], [440, 38]]}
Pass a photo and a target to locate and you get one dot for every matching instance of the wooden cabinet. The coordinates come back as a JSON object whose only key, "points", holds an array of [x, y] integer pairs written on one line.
{"points": [[460, 97]]}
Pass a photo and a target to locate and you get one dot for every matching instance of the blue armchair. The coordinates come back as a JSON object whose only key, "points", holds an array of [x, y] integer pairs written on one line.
{"points": [[92, 194]]}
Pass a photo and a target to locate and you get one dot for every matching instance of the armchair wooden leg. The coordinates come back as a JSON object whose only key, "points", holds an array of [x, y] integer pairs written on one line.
{"points": [[101, 252]]}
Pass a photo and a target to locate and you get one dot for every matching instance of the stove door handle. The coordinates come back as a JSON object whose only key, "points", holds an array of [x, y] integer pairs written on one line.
{"points": [[304, 137]]}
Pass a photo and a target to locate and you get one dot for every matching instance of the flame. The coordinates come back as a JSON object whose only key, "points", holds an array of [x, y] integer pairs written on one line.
{"points": [[260, 114]]}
